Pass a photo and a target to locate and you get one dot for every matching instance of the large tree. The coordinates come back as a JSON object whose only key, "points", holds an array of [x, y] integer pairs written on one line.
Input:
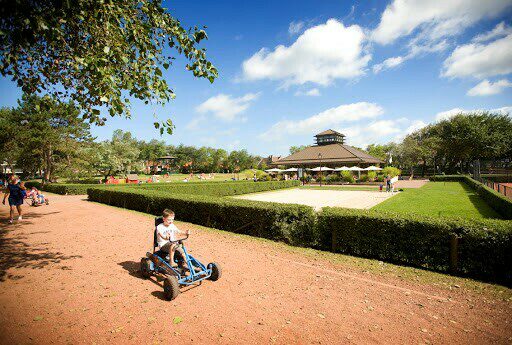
{"points": [[97, 52], [49, 134]]}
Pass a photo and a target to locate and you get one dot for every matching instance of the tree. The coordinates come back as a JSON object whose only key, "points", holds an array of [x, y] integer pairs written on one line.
{"points": [[97, 51], [9, 143], [49, 132], [294, 149], [118, 155]]}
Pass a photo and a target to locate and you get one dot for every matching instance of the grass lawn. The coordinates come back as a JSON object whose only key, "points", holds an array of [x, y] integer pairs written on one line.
{"points": [[439, 199], [337, 187]]}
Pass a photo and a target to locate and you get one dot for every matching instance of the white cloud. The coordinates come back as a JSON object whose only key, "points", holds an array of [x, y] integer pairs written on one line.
{"points": [[320, 55], [445, 115], [486, 88], [499, 31], [388, 63], [295, 27], [329, 118], [226, 107], [312, 92], [415, 49], [433, 19], [480, 60]]}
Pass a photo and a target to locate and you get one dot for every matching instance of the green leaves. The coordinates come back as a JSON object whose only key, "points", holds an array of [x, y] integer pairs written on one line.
{"points": [[90, 53]]}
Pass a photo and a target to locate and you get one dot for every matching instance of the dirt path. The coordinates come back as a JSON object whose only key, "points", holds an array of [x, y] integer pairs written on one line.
{"points": [[69, 275], [321, 198]]}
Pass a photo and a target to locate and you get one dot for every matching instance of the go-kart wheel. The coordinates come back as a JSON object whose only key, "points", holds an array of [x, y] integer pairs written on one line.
{"points": [[171, 288], [216, 271], [145, 268]]}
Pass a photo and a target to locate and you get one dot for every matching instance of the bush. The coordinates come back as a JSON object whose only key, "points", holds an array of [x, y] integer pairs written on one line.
{"points": [[380, 178], [391, 171], [364, 178], [372, 175], [289, 223], [333, 178], [485, 247], [347, 176]]}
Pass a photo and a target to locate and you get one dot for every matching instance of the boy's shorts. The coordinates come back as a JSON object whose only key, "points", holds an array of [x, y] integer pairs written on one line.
{"points": [[15, 201], [166, 247]]}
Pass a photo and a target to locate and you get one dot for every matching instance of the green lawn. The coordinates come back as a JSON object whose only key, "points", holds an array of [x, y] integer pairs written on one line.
{"points": [[439, 199]]}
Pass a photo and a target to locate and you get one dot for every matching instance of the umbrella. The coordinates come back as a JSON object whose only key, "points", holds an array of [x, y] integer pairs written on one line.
{"points": [[321, 169], [372, 168], [355, 169], [342, 168], [291, 170], [274, 170]]}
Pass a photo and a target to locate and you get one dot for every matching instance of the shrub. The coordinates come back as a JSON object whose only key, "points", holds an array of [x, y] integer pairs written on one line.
{"points": [[391, 171], [347, 176], [380, 178], [333, 178], [372, 175], [289, 223], [364, 178], [485, 247]]}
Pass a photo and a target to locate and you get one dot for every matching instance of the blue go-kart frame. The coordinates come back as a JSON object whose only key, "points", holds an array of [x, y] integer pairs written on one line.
{"points": [[157, 263]]}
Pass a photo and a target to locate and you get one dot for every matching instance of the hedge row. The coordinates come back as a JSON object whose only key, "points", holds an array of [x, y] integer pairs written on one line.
{"points": [[497, 201], [221, 189], [288, 223], [61, 188], [484, 247]]}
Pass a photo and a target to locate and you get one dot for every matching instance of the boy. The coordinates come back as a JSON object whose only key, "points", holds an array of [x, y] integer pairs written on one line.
{"points": [[167, 232]]}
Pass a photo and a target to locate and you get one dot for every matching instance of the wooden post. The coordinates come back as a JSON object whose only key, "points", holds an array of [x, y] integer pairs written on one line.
{"points": [[454, 252], [334, 241]]}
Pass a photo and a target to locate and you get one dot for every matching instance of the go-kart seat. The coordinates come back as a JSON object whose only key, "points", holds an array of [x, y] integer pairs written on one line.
{"points": [[163, 255]]}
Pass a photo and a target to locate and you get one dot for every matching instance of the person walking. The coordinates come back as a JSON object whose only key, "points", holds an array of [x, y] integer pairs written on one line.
{"points": [[14, 193]]}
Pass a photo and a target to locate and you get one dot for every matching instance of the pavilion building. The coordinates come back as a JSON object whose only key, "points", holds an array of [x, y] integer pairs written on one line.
{"points": [[329, 150]]}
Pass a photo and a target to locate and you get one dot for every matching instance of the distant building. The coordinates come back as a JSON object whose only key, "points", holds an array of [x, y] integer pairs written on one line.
{"points": [[268, 160], [161, 165], [331, 151]]}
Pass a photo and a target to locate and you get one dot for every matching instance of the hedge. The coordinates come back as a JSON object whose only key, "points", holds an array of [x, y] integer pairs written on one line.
{"points": [[217, 188], [495, 200], [221, 189], [484, 247], [293, 224]]}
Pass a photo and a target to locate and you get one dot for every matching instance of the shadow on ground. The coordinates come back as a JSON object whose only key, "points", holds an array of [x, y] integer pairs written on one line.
{"points": [[16, 253]]}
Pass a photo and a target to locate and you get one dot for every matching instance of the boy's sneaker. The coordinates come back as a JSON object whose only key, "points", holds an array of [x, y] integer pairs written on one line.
{"points": [[20, 218], [10, 221]]}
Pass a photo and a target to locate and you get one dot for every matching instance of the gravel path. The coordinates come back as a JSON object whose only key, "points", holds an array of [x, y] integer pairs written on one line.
{"points": [[322, 198], [69, 275]]}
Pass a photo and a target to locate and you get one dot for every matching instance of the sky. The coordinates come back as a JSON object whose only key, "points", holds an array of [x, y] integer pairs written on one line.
{"points": [[372, 70]]}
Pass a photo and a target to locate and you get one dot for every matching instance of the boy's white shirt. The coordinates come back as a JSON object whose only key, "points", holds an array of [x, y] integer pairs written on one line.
{"points": [[165, 231]]}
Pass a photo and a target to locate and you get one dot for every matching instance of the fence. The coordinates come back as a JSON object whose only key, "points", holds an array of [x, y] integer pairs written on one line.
{"points": [[500, 187]]}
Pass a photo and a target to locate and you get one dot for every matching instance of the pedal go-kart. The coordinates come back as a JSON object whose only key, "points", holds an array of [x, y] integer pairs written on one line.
{"points": [[157, 263]]}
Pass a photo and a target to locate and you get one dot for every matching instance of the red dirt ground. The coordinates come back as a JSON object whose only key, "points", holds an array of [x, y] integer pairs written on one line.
{"points": [[69, 275]]}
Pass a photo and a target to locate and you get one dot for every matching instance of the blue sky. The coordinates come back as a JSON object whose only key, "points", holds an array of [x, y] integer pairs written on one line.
{"points": [[373, 70]]}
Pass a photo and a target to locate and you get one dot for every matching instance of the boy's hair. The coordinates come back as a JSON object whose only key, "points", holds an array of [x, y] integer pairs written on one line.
{"points": [[166, 213]]}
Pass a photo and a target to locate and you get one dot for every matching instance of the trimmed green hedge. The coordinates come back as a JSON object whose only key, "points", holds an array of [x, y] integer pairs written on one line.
{"points": [[495, 200], [484, 249], [217, 188], [220, 189], [289, 223]]}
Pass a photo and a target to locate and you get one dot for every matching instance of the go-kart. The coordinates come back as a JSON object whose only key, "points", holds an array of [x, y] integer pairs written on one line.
{"points": [[157, 263]]}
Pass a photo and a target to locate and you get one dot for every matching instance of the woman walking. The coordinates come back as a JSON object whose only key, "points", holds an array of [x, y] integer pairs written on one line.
{"points": [[15, 193]]}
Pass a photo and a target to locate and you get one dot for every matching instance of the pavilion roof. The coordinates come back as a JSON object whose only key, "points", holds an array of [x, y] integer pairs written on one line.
{"points": [[329, 131], [331, 154]]}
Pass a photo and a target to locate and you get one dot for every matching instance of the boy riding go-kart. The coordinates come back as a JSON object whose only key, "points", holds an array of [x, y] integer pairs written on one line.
{"points": [[172, 259]]}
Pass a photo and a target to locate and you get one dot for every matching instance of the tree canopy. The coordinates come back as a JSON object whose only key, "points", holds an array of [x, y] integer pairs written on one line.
{"points": [[97, 52]]}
